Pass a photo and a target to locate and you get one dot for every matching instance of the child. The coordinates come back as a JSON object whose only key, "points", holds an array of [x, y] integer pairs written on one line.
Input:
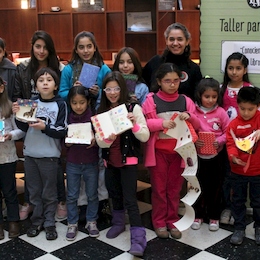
{"points": [[235, 77], [243, 171], [82, 160], [8, 158], [214, 119], [86, 50], [42, 150], [127, 62], [163, 162], [121, 156]]}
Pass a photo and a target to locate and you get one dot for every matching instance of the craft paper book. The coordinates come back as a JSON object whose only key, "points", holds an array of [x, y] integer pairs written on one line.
{"points": [[88, 75], [114, 121], [208, 147], [131, 80], [80, 133], [27, 111]]}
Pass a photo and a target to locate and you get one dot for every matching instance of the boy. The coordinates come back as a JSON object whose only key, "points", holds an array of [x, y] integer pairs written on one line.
{"points": [[245, 166], [42, 150]]}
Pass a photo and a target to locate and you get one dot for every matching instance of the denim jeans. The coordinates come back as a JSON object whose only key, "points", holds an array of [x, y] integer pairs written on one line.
{"points": [[89, 172], [8, 187]]}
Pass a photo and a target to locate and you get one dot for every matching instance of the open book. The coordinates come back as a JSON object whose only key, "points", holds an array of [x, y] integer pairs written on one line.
{"points": [[2, 130], [114, 121], [80, 133], [88, 75], [27, 111], [208, 147]]}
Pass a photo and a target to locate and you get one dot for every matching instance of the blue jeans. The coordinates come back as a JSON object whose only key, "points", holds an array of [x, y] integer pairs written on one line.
{"points": [[89, 172]]}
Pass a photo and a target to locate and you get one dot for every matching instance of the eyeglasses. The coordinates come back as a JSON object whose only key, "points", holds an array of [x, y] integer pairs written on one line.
{"points": [[170, 82], [110, 90]]}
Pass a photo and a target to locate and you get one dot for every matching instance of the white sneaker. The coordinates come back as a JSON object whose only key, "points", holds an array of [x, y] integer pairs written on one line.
{"points": [[213, 225], [197, 223], [92, 229], [225, 216]]}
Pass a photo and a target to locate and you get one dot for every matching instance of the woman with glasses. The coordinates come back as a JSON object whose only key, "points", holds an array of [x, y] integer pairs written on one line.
{"points": [[177, 51]]}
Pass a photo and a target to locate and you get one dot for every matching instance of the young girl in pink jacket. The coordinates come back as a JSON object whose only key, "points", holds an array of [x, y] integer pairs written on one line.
{"points": [[164, 163]]}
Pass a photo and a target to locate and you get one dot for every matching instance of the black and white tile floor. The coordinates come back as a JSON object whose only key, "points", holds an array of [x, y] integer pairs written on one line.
{"points": [[194, 245]]}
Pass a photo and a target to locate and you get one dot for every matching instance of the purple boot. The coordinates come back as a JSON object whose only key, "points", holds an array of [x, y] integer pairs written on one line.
{"points": [[118, 224], [138, 241]]}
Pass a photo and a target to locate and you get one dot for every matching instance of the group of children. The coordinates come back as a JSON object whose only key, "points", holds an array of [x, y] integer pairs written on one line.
{"points": [[66, 102]]}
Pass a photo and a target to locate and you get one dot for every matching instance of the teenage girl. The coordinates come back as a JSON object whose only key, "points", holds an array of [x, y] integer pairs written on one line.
{"points": [[163, 162], [8, 157], [121, 156], [214, 119], [82, 161], [127, 62], [235, 77]]}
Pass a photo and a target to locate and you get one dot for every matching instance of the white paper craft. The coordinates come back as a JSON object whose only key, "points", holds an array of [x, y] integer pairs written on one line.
{"points": [[114, 121], [2, 130], [88, 75], [80, 133], [186, 149], [27, 111], [139, 21]]}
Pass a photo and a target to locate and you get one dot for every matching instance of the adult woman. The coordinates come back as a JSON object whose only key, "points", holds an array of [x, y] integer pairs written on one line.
{"points": [[178, 51], [7, 69], [43, 54]]}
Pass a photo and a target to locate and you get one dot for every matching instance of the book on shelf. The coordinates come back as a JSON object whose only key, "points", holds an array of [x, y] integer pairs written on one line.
{"points": [[180, 5], [88, 75], [208, 147], [166, 5], [131, 80], [80, 133], [27, 111], [114, 121], [2, 130], [139, 21]]}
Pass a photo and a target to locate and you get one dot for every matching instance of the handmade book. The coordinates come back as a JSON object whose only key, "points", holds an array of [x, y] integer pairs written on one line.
{"points": [[114, 121], [2, 130], [131, 80], [27, 111], [88, 75], [208, 147], [80, 133]]}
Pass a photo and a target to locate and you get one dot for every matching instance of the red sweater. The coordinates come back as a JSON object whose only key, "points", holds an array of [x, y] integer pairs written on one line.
{"points": [[241, 129]]}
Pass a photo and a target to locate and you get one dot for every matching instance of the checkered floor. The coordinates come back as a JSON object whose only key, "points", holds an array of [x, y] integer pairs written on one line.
{"points": [[196, 245]]}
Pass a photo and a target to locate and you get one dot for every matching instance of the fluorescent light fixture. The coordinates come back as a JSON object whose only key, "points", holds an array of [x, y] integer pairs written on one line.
{"points": [[24, 4], [74, 3]]}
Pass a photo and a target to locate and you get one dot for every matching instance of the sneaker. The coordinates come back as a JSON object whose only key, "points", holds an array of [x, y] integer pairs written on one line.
{"points": [[92, 229], [61, 212], [51, 233], [72, 232], [175, 233], [225, 216], [237, 237], [162, 232], [213, 225], [197, 223], [25, 210], [34, 230]]}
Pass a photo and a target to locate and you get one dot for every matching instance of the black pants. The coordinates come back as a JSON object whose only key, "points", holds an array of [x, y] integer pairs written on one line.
{"points": [[121, 184]]}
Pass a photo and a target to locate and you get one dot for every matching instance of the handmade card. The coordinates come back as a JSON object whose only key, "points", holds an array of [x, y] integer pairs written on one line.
{"points": [[2, 130], [114, 121], [208, 147], [88, 75], [27, 111], [131, 80], [80, 133]]}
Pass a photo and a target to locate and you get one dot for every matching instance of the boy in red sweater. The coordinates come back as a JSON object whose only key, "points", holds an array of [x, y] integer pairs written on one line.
{"points": [[245, 166]]}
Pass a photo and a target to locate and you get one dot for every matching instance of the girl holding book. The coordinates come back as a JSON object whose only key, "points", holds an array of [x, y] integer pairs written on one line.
{"points": [[128, 63], [121, 155], [8, 157], [82, 161], [213, 119]]}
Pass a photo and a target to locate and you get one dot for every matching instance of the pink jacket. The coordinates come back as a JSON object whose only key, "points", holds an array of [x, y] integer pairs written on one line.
{"points": [[215, 121], [155, 125]]}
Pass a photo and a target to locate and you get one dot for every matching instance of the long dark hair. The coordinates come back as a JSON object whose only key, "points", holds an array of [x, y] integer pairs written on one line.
{"points": [[3, 46], [124, 97], [5, 102], [52, 60], [244, 61], [97, 57]]}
